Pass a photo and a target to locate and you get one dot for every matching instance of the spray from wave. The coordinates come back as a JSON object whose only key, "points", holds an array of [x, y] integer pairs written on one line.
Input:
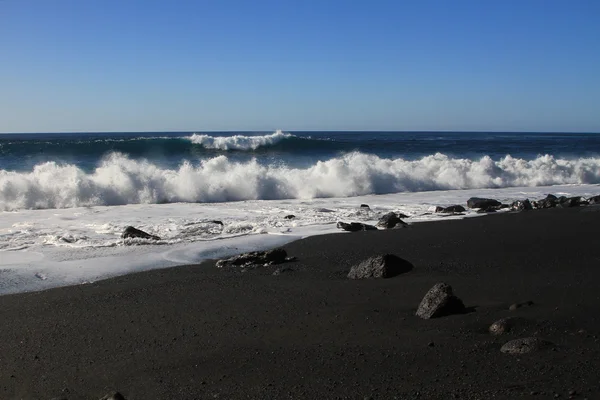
{"points": [[120, 180], [238, 142]]}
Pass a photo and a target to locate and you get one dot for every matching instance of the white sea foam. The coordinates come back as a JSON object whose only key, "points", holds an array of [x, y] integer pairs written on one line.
{"points": [[40, 249], [238, 142], [119, 180]]}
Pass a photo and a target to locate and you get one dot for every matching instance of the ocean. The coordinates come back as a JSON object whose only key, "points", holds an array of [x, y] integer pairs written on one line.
{"points": [[66, 198]]}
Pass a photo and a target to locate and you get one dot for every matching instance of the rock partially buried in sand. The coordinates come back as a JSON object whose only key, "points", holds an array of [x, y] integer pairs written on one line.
{"points": [[113, 396], [355, 226], [255, 259], [515, 306], [501, 326], [525, 345], [131, 232], [440, 301], [391, 220], [385, 266]]}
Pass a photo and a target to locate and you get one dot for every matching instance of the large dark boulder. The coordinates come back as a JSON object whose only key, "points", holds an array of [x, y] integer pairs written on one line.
{"points": [[255, 259], [131, 232], [440, 301], [355, 226], [484, 204], [521, 205], [385, 266], [450, 209], [390, 220]]}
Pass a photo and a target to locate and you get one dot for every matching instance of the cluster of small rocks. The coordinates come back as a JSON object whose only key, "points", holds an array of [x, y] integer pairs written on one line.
{"points": [[484, 205]]}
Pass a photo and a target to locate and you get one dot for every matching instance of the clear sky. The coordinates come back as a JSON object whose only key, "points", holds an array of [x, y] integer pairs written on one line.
{"points": [[156, 65]]}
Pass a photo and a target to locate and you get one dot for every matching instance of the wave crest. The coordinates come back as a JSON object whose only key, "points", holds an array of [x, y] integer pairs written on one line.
{"points": [[238, 142], [120, 180]]}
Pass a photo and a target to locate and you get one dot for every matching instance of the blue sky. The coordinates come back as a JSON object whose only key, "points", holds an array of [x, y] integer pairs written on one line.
{"points": [[149, 65]]}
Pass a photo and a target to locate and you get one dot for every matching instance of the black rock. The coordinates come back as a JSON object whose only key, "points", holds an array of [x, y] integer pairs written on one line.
{"points": [[390, 220], [440, 301], [594, 200], [571, 202], [254, 259], [355, 226], [450, 209], [385, 266], [364, 206], [525, 345], [216, 221], [113, 396], [549, 202], [502, 326], [476, 202], [401, 215], [521, 205], [291, 216], [131, 232]]}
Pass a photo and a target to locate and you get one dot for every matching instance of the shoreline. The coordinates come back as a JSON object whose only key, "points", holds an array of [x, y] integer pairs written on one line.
{"points": [[196, 331]]}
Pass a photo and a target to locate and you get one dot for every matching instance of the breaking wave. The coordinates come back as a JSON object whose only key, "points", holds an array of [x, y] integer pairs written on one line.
{"points": [[238, 142], [119, 180]]}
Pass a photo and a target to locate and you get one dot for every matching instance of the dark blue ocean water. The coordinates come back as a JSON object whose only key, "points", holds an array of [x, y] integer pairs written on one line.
{"points": [[70, 170], [21, 152]]}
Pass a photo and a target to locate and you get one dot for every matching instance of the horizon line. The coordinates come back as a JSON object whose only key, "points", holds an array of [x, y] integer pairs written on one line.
{"points": [[302, 131]]}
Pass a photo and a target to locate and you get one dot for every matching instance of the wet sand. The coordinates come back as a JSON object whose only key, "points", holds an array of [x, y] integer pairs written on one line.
{"points": [[198, 332]]}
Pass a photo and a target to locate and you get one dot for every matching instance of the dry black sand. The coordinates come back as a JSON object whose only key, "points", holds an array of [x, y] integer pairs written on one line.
{"points": [[197, 332]]}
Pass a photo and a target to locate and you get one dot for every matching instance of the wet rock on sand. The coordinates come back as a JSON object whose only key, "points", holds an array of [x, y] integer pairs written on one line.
{"points": [[568, 202], [391, 220], [594, 200], [521, 205], [255, 259], [525, 345], [440, 301], [549, 202], [484, 204], [385, 266], [450, 209], [355, 226], [131, 232]]}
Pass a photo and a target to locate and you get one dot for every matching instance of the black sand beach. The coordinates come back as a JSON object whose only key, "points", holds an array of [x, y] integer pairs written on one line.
{"points": [[198, 332]]}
